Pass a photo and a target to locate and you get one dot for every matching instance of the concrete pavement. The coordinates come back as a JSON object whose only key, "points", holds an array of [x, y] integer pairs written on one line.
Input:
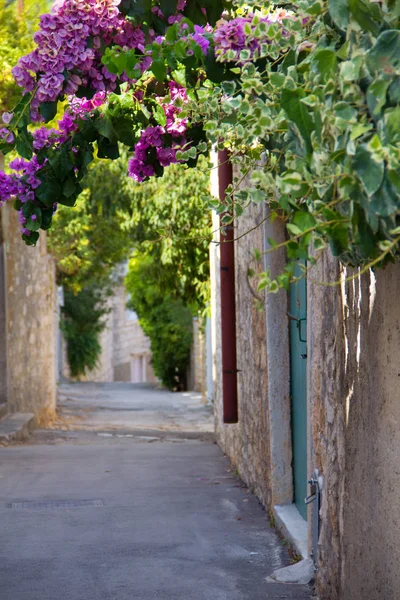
{"points": [[95, 515], [133, 407]]}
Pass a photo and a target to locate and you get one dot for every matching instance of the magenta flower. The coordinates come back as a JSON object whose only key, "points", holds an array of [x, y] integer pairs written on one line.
{"points": [[7, 135], [62, 47], [7, 118]]}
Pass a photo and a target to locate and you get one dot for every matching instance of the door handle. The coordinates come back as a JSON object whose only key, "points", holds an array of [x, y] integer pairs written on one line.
{"points": [[299, 322]]}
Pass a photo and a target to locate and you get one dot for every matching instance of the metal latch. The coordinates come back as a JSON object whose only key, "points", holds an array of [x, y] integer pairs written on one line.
{"points": [[314, 498], [298, 322]]}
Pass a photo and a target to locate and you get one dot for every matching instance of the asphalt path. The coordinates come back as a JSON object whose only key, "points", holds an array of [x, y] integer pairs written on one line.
{"points": [[131, 514]]}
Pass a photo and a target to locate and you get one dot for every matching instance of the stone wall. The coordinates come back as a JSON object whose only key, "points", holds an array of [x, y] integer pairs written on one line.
{"points": [[129, 340], [354, 399], [31, 334], [197, 369], [246, 443], [3, 321], [122, 343]]}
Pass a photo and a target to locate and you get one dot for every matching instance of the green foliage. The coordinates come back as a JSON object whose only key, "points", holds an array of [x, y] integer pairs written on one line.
{"points": [[82, 322], [168, 218], [170, 228], [313, 126], [166, 221], [16, 39], [311, 119], [86, 247], [166, 320]]}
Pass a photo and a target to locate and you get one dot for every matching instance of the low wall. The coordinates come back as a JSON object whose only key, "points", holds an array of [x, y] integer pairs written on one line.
{"points": [[354, 402], [31, 324]]}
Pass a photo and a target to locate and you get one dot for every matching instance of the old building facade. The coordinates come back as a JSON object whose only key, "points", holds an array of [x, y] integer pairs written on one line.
{"points": [[318, 371], [126, 353]]}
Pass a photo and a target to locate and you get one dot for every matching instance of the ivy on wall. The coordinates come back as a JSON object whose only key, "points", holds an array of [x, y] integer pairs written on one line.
{"points": [[305, 96]]}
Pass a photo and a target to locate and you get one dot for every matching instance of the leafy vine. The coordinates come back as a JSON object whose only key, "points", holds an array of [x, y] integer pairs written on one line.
{"points": [[306, 98]]}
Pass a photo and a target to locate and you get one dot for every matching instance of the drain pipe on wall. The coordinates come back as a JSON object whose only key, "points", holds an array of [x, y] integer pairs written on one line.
{"points": [[228, 301]]}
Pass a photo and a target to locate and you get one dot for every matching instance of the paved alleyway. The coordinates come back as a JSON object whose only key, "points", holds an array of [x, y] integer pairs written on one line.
{"points": [[115, 509]]}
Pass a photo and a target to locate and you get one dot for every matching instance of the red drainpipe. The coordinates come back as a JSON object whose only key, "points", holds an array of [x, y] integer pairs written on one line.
{"points": [[228, 303]]}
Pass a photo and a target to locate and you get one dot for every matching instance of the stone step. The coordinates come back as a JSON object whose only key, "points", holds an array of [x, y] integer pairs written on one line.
{"points": [[16, 427]]}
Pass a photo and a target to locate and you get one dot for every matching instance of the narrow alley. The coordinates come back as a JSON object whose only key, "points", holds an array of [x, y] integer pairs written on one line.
{"points": [[129, 498]]}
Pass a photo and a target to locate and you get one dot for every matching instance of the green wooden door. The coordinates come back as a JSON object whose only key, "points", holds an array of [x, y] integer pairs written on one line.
{"points": [[298, 365]]}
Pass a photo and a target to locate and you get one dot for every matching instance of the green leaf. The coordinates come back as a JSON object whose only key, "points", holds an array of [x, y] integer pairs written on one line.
{"points": [[217, 71], [376, 96], [87, 130], [107, 149], [277, 79], [298, 113], [48, 110], [27, 209], [137, 9], [229, 87], [47, 218], [105, 127], [31, 240], [338, 238], [69, 188], [70, 201], [394, 91], [24, 146], [365, 236], [159, 115], [386, 201], [168, 7], [34, 224], [324, 62], [384, 56], [344, 111], [48, 192], [392, 125], [369, 169], [60, 162], [304, 220], [339, 12], [159, 69], [367, 15]]}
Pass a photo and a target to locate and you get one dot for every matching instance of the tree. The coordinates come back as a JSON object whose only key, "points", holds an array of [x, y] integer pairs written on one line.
{"points": [[18, 22], [164, 318], [168, 226]]}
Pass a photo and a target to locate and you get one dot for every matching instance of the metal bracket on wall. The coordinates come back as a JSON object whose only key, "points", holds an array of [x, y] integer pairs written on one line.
{"points": [[314, 498], [298, 322]]}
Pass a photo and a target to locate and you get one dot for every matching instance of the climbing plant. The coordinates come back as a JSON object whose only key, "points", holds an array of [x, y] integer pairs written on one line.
{"points": [[306, 97]]}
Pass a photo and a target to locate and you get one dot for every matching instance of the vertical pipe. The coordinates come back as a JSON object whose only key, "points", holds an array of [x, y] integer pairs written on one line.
{"points": [[228, 303]]}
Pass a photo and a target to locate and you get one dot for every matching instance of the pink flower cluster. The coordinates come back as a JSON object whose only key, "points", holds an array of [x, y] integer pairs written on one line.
{"points": [[64, 58], [173, 18], [78, 108], [20, 184], [159, 144], [201, 36], [231, 35]]}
